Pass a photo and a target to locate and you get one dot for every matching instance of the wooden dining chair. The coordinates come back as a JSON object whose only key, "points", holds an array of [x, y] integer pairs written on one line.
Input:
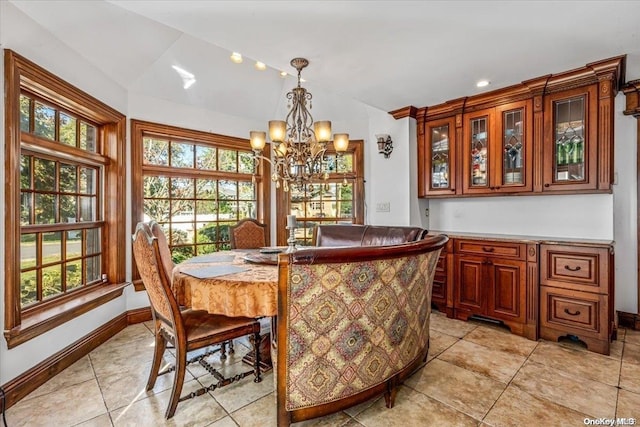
{"points": [[168, 264], [187, 330], [248, 234]]}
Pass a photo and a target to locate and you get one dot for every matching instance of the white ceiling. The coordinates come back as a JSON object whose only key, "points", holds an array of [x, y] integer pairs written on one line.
{"points": [[386, 54]]}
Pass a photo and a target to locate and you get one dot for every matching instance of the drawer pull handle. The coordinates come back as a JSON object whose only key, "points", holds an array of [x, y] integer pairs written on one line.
{"points": [[486, 249], [566, 267], [575, 313]]}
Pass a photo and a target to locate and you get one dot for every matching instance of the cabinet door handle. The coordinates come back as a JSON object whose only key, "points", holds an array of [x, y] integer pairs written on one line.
{"points": [[488, 249], [453, 189], [489, 263], [547, 185], [566, 267], [575, 313], [498, 187]]}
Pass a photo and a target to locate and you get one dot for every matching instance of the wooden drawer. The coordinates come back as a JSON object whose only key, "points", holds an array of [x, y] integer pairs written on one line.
{"points": [[577, 313], [491, 248], [575, 267]]}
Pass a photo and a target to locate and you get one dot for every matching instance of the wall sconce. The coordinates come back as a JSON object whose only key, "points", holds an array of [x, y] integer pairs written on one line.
{"points": [[385, 145]]}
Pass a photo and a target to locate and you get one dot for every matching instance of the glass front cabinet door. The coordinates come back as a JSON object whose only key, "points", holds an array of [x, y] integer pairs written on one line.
{"points": [[570, 136], [497, 150], [439, 155]]}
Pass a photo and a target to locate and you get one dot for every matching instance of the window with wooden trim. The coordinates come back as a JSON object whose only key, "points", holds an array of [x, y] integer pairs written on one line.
{"points": [[339, 199], [65, 157], [195, 185]]}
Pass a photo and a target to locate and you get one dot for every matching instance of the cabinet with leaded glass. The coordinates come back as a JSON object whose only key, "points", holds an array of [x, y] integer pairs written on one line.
{"points": [[497, 149], [571, 139], [438, 152]]}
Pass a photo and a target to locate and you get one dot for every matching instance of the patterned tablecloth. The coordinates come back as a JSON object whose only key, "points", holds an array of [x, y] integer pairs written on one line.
{"points": [[252, 292]]}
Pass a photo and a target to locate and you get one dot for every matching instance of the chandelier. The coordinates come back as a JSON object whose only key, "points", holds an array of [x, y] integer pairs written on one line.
{"points": [[299, 145]]}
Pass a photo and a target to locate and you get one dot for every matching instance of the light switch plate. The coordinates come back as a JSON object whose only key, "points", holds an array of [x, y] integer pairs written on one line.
{"points": [[383, 207]]}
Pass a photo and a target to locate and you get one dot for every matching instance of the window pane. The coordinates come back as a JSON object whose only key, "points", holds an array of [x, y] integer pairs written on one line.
{"points": [[92, 244], [182, 211], [181, 253], [51, 247], [25, 113], [247, 191], [88, 137], [45, 209], [68, 130], [74, 244], [74, 274], [206, 210], [68, 178], [227, 190], [228, 160], [156, 152], [25, 209], [205, 157], [182, 188], [25, 171], [51, 281], [228, 210], [155, 187], [157, 210], [27, 251], [44, 174], [88, 209], [181, 155], [206, 189], [28, 287], [94, 271], [45, 121], [246, 163], [181, 234], [207, 232], [68, 209], [88, 182], [247, 210]]}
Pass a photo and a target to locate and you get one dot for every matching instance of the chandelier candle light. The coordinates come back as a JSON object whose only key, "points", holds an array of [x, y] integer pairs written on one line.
{"points": [[299, 144], [291, 226]]}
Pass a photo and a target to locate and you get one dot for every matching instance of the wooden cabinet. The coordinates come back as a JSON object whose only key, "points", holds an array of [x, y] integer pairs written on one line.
{"points": [[570, 140], [552, 134], [576, 294], [497, 150], [442, 294], [535, 287], [491, 282], [437, 158]]}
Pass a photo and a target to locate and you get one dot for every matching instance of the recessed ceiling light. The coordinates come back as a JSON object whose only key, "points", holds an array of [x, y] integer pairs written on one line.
{"points": [[260, 66], [187, 78], [483, 83], [283, 74], [236, 57]]}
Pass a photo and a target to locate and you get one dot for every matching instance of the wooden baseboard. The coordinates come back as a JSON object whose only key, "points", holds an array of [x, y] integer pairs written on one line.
{"points": [[629, 320], [139, 315], [24, 384]]}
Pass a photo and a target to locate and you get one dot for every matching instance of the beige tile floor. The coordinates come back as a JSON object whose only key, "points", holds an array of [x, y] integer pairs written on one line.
{"points": [[477, 375]]}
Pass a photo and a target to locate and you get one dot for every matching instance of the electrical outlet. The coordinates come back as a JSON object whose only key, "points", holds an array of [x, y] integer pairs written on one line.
{"points": [[426, 212], [383, 207]]}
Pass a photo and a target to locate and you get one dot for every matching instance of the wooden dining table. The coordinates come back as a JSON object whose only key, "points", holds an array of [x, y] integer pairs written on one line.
{"points": [[241, 282]]}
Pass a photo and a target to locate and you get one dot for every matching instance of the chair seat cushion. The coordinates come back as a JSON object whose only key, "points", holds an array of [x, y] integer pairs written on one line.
{"points": [[203, 328]]}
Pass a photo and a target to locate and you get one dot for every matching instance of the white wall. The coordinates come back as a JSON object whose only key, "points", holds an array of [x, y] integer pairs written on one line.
{"points": [[21, 34], [625, 209], [387, 180]]}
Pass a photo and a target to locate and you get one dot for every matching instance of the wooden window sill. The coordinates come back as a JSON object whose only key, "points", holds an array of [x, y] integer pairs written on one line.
{"points": [[42, 321]]}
